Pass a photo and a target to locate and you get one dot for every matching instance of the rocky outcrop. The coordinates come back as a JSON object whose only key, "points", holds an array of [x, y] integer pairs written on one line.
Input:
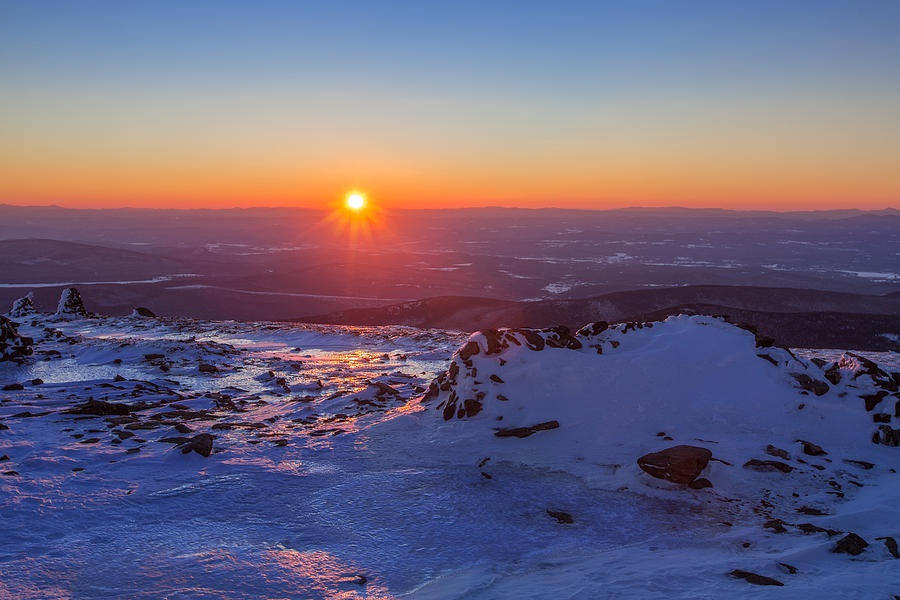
{"points": [[141, 311], [71, 305], [12, 345], [678, 464], [22, 307]]}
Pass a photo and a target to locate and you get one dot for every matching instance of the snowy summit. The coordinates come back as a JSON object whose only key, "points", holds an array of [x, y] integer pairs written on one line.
{"points": [[684, 458]]}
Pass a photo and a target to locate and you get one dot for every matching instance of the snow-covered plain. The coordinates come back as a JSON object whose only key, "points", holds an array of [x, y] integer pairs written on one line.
{"points": [[333, 474]]}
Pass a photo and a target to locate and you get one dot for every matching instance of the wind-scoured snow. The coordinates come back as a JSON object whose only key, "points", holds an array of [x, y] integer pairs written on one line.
{"points": [[337, 470]]}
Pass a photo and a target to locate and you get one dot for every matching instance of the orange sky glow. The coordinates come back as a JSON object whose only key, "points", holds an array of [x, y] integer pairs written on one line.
{"points": [[741, 107]]}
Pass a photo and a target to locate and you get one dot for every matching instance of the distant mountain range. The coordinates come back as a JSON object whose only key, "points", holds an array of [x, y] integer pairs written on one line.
{"points": [[794, 317]]}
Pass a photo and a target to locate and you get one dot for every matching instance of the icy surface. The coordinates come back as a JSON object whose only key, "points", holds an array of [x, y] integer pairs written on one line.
{"points": [[330, 479]]}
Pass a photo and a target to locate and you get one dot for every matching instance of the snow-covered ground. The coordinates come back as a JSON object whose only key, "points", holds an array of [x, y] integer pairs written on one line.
{"points": [[334, 473]]}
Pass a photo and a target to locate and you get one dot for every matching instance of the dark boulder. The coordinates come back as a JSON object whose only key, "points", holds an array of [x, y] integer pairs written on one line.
{"points": [[140, 311], [202, 444], [679, 464], [850, 544]]}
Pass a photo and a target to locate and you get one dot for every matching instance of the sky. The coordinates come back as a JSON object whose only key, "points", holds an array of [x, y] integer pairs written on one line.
{"points": [[774, 105]]}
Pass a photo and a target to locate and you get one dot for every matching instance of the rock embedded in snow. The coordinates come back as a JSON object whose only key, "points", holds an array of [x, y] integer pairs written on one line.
{"points": [[678, 464], [754, 578], [22, 307], [851, 544], [891, 545], [202, 444], [523, 432], [70, 304], [101, 408], [608, 389], [777, 452], [767, 465], [563, 518], [13, 346]]}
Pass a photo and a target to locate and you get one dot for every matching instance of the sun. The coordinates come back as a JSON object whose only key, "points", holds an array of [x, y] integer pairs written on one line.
{"points": [[356, 201]]}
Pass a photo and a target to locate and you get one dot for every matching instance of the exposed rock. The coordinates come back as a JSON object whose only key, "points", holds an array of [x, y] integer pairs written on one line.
{"points": [[472, 407], [809, 510], [593, 329], [767, 465], [523, 432], [13, 387], [872, 400], [182, 428], [701, 483], [13, 346], [100, 408], [789, 569], [776, 525], [833, 374], [561, 517], [810, 528], [777, 452], [679, 464], [850, 544], [560, 337], [22, 307], [469, 350], [891, 545], [754, 578], [764, 341], [860, 463], [886, 435], [811, 449], [207, 368], [71, 304], [154, 356], [202, 444], [819, 388], [140, 311]]}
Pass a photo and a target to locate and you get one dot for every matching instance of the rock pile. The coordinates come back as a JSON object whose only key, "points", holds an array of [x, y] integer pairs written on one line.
{"points": [[22, 307], [71, 304], [12, 345]]}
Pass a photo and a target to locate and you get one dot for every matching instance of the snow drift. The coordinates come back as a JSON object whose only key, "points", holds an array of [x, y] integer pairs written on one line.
{"points": [[596, 401]]}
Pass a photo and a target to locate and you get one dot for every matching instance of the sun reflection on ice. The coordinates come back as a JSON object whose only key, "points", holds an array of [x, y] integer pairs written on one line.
{"points": [[321, 574]]}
